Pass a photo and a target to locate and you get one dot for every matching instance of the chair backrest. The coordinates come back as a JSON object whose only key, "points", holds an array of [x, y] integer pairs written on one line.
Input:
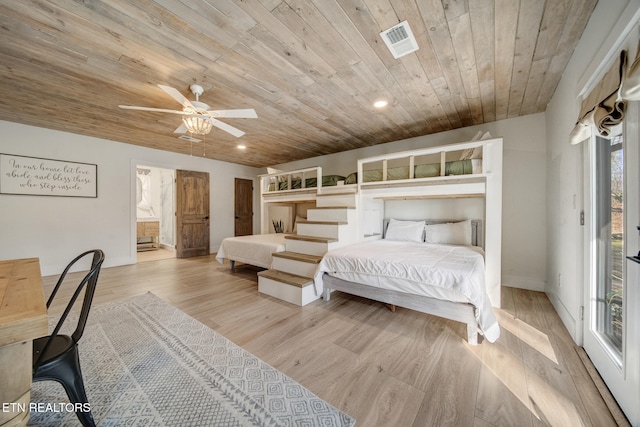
{"points": [[89, 281]]}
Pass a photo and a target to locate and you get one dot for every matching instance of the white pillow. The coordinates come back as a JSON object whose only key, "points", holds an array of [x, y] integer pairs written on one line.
{"points": [[405, 231], [471, 153], [477, 136], [452, 233]]}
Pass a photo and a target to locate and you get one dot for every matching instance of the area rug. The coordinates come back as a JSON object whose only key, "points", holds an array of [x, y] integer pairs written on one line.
{"points": [[146, 363]]}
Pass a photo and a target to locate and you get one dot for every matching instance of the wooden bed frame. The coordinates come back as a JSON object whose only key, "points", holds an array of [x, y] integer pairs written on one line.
{"points": [[458, 311]]}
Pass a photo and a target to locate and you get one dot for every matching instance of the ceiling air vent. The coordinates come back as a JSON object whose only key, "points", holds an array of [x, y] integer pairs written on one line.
{"points": [[399, 39], [189, 138]]}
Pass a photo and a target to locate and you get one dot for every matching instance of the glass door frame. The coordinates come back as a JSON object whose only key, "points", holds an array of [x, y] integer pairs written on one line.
{"points": [[601, 259], [621, 374]]}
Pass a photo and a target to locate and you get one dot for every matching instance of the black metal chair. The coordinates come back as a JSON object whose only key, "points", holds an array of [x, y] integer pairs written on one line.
{"points": [[55, 357]]}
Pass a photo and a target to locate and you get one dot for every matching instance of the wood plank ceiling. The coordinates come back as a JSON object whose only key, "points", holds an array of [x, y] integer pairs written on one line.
{"points": [[310, 68]]}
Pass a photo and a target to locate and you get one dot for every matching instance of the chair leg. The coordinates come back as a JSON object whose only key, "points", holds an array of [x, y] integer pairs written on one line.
{"points": [[68, 373]]}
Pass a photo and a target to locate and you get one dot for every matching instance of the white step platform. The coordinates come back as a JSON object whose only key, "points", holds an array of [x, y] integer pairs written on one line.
{"points": [[329, 229], [347, 199], [311, 245], [296, 263], [288, 287], [338, 213]]}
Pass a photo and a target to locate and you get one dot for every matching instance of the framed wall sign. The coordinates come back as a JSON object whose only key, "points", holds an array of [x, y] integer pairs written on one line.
{"points": [[47, 177]]}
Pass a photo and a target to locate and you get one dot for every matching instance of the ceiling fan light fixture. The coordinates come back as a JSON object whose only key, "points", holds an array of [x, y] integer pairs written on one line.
{"points": [[197, 125], [197, 117]]}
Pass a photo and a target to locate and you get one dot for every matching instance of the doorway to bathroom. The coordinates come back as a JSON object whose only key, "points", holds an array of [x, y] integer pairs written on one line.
{"points": [[155, 213]]}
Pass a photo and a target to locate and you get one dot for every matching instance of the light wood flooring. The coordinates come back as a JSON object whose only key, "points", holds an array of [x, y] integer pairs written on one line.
{"points": [[155, 255], [383, 368]]}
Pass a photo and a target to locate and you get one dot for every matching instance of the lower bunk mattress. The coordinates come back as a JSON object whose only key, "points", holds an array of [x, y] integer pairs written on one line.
{"points": [[255, 249], [445, 272]]}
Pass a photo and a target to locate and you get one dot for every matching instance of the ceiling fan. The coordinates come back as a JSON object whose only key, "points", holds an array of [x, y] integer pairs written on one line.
{"points": [[197, 117]]}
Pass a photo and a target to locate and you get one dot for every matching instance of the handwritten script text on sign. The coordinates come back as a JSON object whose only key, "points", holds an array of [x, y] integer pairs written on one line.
{"points": [[30, 175]]}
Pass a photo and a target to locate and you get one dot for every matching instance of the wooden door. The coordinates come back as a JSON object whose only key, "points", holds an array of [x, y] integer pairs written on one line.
{"points": [[243, 207], [192, 213]]}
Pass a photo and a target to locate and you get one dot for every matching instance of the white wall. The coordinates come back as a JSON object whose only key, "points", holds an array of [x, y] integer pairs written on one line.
{"points": [[524, 241], [565, 279], [56, 229]]}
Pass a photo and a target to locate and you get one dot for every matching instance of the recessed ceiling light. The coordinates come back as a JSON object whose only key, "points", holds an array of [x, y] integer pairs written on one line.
{"points": [[380, 104], [241, 147]]}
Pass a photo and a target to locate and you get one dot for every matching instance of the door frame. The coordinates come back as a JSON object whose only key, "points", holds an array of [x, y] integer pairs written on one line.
{"points": [[134, 164]]}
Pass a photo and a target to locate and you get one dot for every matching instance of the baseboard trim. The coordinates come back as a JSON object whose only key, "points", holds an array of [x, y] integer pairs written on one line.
{"points": [[567, 318], [521, 282]]}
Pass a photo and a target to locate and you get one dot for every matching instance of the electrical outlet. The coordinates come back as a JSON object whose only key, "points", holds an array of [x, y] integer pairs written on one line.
{"points": [[559, 280]]}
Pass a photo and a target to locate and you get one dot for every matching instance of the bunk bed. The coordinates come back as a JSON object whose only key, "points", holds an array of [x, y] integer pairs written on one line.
{"points": [[254, 249], [376, 189], [295, 188], [468, 170], [485, 184]]}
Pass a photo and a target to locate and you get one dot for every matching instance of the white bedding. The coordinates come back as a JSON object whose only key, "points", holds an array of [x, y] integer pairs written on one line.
{"points": [[448, 272], [255, 249]]}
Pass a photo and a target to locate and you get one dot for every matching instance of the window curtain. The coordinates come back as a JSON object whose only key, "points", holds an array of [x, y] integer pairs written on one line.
{"points": [[604, 107], [630, 90]]}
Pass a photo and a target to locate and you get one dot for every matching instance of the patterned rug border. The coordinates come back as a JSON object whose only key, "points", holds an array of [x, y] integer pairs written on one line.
{"points": [[248, 384]]}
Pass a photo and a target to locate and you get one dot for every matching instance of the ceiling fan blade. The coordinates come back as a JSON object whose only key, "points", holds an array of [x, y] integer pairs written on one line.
{"points": [[172, 92], [157, 110], [248, 113], [181, 129], [225, 127]]}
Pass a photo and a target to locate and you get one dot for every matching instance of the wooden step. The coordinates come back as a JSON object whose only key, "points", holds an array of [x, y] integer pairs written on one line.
{"points": [[288, 278], [310, 238], [296, 256], [306, 221]]}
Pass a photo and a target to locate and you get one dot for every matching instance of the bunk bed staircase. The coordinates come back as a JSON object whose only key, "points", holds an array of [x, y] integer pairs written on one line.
{"points": [[331, 224]]}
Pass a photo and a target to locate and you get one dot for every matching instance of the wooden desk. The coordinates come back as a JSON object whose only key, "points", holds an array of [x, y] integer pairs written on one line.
{"points": [[23, 317]]}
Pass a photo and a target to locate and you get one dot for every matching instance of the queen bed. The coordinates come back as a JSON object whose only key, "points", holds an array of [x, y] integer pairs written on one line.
{"points": [[433, 268], [255, 249]]}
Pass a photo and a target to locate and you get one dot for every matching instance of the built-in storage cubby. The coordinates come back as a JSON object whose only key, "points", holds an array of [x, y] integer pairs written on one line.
{"points": [[148, 234]]}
